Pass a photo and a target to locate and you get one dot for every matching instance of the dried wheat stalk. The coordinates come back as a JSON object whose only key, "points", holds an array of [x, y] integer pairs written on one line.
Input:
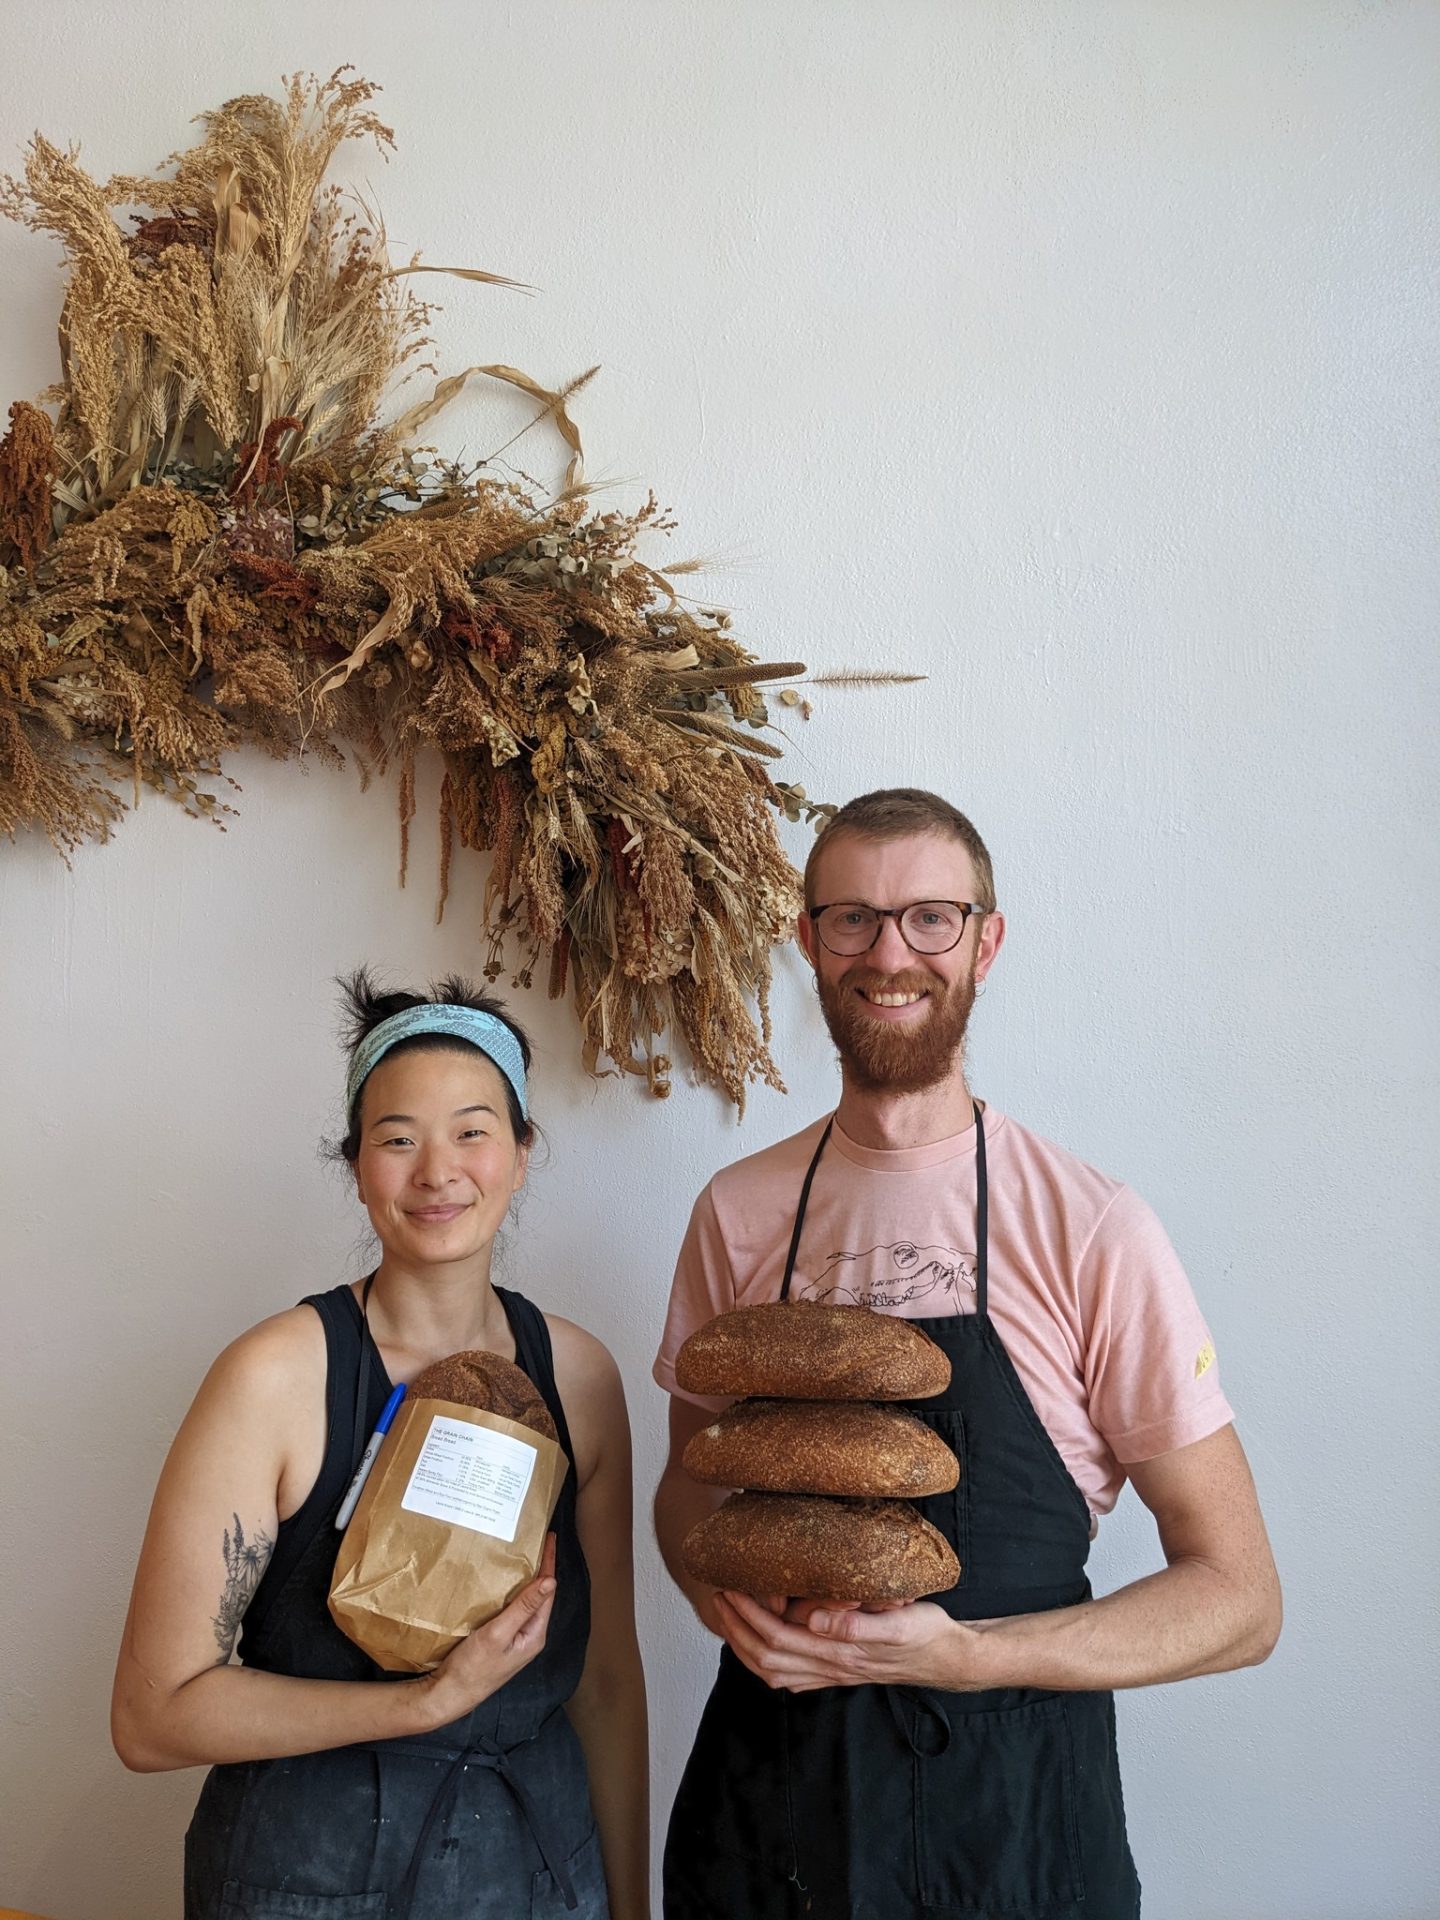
{"points": [[217, 541]]}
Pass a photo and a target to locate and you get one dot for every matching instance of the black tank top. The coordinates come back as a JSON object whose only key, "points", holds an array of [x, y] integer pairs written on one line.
{"points": [[287, 1626]]}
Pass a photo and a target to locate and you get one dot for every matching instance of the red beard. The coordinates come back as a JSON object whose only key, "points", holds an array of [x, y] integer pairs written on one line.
{"points": [[897, 1057]]}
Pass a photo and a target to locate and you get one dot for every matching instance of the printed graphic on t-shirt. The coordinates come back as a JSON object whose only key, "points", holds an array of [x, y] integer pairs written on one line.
{"points": [[891, 1276]]}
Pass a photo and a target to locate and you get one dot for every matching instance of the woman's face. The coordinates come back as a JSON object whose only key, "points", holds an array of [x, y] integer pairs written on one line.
{"points": [[438, 1163]]}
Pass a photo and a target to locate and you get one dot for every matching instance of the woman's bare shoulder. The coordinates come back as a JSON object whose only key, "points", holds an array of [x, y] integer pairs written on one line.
{"points": [[591, 1389], [579, 1355], [275, 1359]]}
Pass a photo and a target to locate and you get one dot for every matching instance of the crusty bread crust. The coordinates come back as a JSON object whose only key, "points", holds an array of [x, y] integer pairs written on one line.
{"points": [[479, 1379], [798, 1350], [811, 1548], [844, 1447]]}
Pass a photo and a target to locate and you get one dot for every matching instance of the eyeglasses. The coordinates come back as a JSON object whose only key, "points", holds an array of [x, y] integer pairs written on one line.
{"points": [[926, 926]]}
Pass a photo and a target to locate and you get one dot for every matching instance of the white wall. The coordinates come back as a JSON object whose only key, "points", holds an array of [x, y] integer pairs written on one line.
{"points": [[1081, 356]]}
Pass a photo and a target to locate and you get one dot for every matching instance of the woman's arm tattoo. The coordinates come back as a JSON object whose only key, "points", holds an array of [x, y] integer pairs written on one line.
{"points": [[245, 1564]]}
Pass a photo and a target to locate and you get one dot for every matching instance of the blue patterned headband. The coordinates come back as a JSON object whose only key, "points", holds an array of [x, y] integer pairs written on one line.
{"points": [[483, 1030]]}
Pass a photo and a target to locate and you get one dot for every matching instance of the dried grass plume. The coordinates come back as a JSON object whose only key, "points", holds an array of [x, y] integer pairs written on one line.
{"points": [[218, 539]]}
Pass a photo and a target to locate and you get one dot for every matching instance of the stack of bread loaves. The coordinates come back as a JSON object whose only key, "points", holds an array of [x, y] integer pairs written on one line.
{"points": [[826, 1473]]}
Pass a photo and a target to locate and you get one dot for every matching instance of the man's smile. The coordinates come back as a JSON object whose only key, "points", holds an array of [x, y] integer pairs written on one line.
{"points": [[877, 998]]}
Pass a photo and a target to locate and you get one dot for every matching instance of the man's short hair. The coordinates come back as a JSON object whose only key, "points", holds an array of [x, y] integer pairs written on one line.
{"points": [[893, 813]]}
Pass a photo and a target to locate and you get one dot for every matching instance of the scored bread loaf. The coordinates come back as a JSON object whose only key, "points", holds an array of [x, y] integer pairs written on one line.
{"points": [[822, 1446], [810, 1548], [799, 1350], [479, 1379]]}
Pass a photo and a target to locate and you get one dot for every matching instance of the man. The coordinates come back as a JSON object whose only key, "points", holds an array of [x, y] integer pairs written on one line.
{"points": [[956, 1753]]}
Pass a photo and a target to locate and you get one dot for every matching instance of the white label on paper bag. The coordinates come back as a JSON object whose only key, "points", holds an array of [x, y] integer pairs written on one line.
{"points": [[472, 1477]]}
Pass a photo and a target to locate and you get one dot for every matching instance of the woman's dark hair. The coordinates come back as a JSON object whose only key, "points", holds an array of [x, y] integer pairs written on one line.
{"points": [[365, 1005]]}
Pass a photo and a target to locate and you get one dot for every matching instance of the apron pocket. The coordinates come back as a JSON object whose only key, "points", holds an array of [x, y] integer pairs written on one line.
{"points": [[587, 1875], [239, 1902], [995, 1819]]}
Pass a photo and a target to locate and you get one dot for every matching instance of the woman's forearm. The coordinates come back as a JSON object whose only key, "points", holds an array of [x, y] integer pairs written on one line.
{"points": [[608, 1714], [234, 1713], [227, 1713]]}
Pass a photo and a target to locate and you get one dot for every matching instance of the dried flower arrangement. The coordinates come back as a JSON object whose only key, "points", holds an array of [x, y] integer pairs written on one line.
{"points": [[216, 543]]}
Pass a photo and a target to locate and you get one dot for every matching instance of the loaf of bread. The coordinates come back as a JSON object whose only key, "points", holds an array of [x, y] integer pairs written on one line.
{"points": [[843, 1447], [798, 1350], [810, 1548], [484, 1380]]}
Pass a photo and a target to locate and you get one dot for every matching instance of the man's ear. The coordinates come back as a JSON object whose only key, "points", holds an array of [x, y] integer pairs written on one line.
{"points": [[992, 936], [805, 934]]}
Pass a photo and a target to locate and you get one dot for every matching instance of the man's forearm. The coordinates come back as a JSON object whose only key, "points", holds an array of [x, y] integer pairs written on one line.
{"points": [[1187, 1620], [680, 1504]]}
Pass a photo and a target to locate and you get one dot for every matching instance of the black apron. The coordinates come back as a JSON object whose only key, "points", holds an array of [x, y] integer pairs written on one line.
{"points": [[486, 1819], [895, 1803]]}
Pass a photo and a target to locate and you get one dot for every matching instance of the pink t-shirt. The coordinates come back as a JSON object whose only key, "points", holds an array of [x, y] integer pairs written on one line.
{"points": [[1086, 1292]]}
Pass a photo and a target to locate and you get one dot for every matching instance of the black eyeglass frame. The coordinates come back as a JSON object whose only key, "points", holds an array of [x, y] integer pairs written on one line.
{"points": [[965, 908]]}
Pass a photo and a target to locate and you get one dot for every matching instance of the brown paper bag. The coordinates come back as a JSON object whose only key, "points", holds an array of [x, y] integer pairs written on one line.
{"points": [[450, 1526]]}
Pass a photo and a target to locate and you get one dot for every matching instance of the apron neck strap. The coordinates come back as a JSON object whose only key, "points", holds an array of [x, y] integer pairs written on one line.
{"points": [[982, 1214], [982, 1219], [362, 1375], [800, 1210]]}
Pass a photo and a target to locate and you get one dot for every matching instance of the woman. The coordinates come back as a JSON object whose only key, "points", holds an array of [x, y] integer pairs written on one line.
{"points": [[339, 1791]]}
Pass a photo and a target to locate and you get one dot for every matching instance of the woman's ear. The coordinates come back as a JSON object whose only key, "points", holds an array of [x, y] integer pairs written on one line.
{"points": [[522, 1164]]}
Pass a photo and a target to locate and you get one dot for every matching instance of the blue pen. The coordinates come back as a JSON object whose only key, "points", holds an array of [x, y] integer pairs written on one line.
{"points": [[367, 1460]]}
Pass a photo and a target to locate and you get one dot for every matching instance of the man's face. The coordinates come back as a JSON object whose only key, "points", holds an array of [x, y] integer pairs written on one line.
{"points": [[898, 1018]]}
